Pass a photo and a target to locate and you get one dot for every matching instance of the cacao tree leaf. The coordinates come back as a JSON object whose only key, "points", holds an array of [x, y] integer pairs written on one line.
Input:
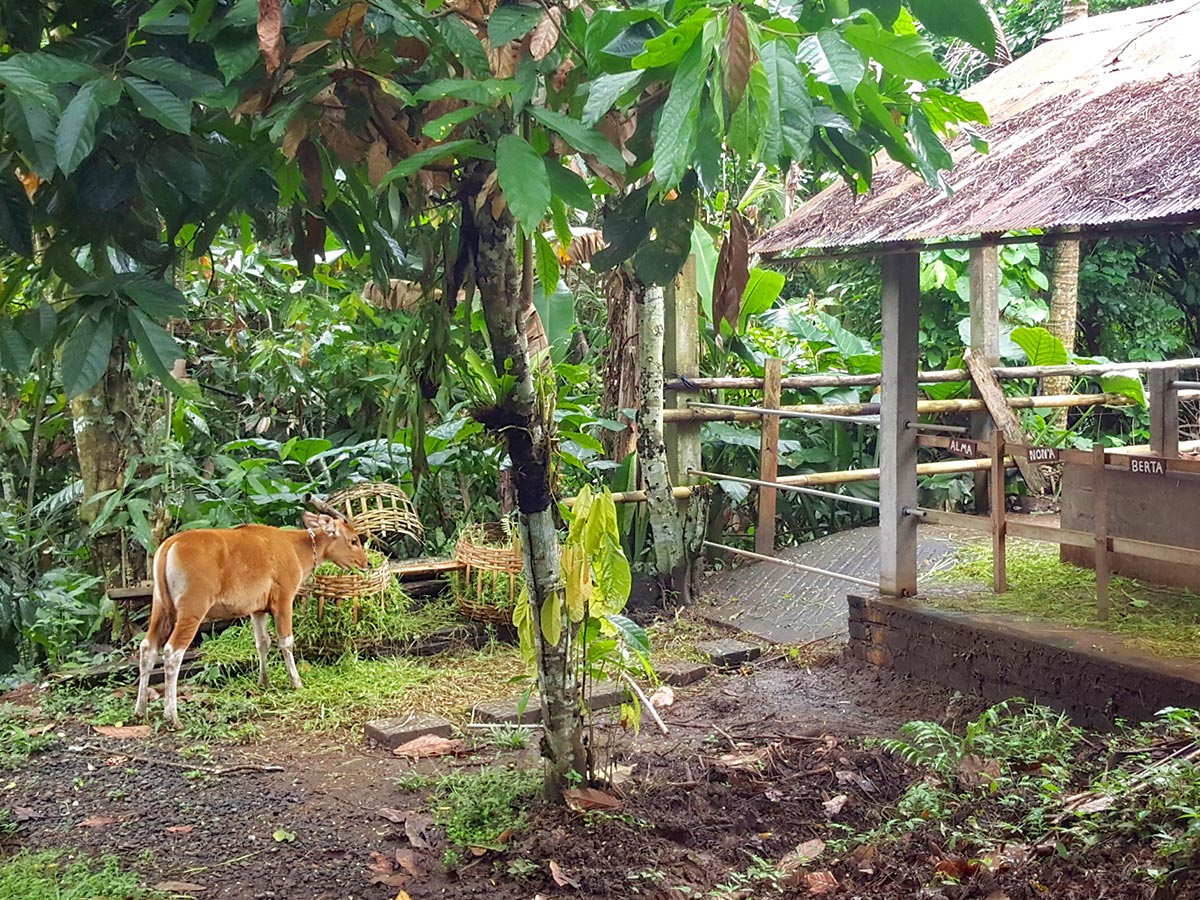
{"points": [[790, 115], [85, 354], [832, 60], [181, 80], [523, 179], [158, 299], [16, 353], [966, 19], [523, 622], [76, 135], [235, 54], [676, 134], [733, 273], [156, 102], [565, 185], [668, 48], [38, 326], [545, 263], [15, 233], [270, 33], [551, 620], [604, 92], [512, 21], [465, 46], [932, 156], [735, 56], [411, 165], [557, 312], [157, 348], [660, 259], [439, 129], [582, 139], [907, 55], [33, 127], [625, 227], [51, 68]]}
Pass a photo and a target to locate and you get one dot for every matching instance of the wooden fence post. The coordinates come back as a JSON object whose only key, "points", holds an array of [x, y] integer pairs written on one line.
{"points": [[1164, 413], [999, 521], [1100, 529], [898, 442], [984, 271], [681, 358], [768, 458]]}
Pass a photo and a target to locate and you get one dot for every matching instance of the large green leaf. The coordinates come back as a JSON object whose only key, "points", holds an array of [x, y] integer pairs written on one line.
{"points": [[670, 46], [966, 19], [625, 227], [33, 127], [413, 164], [705, 252], [156, 298], [465, 45], [832, 60], [557, 313], [54, 69], [156, 102], [676, 135], [183, 81], [523, 179], [790, 118], [441, 127], [485, 92], [546, 263], [604, 92], [158, 349], [1040, 346], [38, 325], [585, 140], [762, 290], [660, 259], [16, 353], [569, 187], [932, 155], [512, 21], [85, 354], [236, 54], [907, 55], [76, 135], [1126, 384], [16, 75], [15, 233]]}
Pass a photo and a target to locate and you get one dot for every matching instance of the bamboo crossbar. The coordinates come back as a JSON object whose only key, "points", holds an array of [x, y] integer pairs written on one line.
{"points": [[924, 407], [853, 579], [756, 482], [839, 379]]}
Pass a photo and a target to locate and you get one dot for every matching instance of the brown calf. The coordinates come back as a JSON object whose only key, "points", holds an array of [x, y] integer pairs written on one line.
{"points": [[225, 573]]}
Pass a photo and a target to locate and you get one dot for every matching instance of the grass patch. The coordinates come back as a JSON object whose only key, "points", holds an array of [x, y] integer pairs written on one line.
{"points": [[19, 737], [1160, 620], [47, 876], [477, 809]]}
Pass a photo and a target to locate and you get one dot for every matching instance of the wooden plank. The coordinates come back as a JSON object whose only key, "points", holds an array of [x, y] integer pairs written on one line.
{"points": [[1100, 530], [1006, 421], [898, 442], [1163, 552], [423, 568], [134, 592], [768, 458], [681, 358], [1164, 413], [942, 442], [996, 490], [1031, 531]]}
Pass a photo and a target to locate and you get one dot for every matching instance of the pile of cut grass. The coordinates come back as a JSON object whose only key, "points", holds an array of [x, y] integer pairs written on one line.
{"points": [[1159, 620], [49, 876]]}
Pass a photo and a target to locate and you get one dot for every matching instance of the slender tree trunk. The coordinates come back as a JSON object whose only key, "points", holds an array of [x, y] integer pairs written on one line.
{"points": [[621, 362], [652, 451], [524, 421], [105, 439]]}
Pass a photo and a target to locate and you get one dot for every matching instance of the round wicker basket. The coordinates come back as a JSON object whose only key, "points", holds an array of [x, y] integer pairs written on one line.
{"points": [[492, 561], [379, 510]]}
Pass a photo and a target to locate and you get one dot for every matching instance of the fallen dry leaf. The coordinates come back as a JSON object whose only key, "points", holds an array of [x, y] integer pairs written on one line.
{"points": [[181, 829], [403, 895], [396, 816], [974, 772], [381, 863], [99, 821], [407, 860], [583, 799], [560, 877], [997, 895], [1096, 804], [821, 882], [116, 760], [663, 697], [37, 730], [24, 813], [177, 887], [430, 745], [809, 850], [123, 731], [956, 867], [864, 856], [416, 827], [834, 805]]}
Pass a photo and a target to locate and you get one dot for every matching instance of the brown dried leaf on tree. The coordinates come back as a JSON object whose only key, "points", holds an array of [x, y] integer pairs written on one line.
{"points": [[346, 19], [270, 33], [736, 57], [504, 59], [297, 131], [309, 160], [378, 162], [546, 33], [412, 49], [559, 79], [733, 273], [304, 51]]}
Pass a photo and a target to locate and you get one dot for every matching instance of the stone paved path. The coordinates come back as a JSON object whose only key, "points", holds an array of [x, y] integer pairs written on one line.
{"points": [[788, 606]]}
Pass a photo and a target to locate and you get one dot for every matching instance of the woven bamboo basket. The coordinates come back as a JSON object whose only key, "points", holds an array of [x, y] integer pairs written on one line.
{"points": [[349, 585], [379, 510], [493, 562]]}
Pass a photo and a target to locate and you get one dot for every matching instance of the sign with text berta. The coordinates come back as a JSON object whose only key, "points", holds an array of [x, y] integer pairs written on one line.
{"points": [[1147, 465]]}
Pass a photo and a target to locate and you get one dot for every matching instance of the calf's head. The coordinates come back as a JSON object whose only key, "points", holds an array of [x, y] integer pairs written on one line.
{"points": [[344, 546]]}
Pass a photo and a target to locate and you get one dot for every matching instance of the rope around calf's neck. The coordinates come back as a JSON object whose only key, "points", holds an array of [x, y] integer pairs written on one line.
{"points": [[312, 537]]}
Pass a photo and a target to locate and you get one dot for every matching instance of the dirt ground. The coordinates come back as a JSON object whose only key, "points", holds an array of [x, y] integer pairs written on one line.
{"points": [[748, 771]]}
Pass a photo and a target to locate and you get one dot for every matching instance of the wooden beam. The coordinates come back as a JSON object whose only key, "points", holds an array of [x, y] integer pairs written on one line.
{"points": [[681, 357], [1164, 413], [768, 459], [1002, 415], [898, 442], [984, 270], [1100, 529]]}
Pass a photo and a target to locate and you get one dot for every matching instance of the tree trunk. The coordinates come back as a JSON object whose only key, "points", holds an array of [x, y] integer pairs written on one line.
{"points": [[652, 451], [523, 420], [105, 439], [621, 363], [1064, 312]]}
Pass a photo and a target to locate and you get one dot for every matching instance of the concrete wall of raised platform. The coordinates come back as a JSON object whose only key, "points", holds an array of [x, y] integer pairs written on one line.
{"points": [[1163, 508], [1093, 676]]}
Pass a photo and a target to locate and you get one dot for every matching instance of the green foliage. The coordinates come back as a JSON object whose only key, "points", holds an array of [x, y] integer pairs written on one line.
{"points": [[475, 809], [51, 875], [20, 738]]}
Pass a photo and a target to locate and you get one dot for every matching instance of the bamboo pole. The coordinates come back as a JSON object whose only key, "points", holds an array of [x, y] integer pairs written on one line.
{"points": [[924, 407], [941, 467], [841, 379]]}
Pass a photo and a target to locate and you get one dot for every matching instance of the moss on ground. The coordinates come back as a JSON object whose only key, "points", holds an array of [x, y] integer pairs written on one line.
{"points": [[1159, 620]]}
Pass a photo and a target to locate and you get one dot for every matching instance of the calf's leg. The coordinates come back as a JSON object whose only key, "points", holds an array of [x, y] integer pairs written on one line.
{"points": [[147, 657], [262, 641], [173, 650], [283, 631]]}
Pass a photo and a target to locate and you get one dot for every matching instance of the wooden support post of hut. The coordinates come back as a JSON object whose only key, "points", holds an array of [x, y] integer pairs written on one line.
{"points": [[898, 442], [985, 344]]}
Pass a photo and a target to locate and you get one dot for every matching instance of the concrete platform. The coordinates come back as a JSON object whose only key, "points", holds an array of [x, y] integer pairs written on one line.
{"points": [[787, 606]]}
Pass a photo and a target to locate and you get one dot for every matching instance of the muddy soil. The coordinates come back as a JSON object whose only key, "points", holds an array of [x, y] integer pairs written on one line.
{"points": [[752, 762]]}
